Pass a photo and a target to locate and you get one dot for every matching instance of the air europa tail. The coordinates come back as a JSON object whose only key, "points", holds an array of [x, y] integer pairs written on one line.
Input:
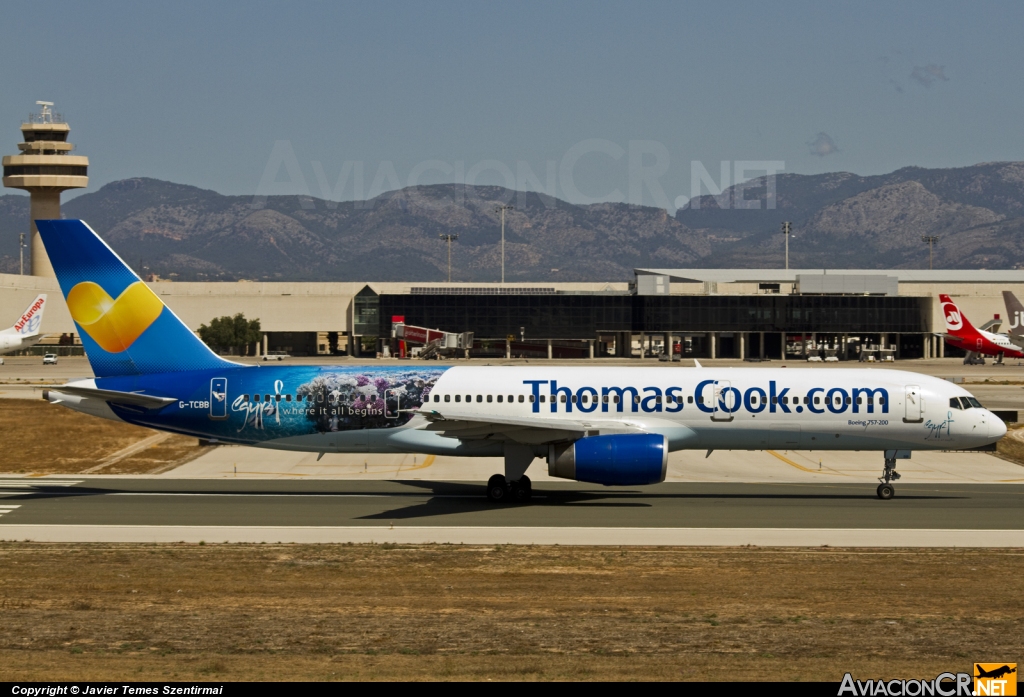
{"points": [[125, 328], [28, 325], [956, 323]]}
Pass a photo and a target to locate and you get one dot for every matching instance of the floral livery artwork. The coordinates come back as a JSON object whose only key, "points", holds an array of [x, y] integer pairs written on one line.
{"points": [[342, 401], [339, 399]]}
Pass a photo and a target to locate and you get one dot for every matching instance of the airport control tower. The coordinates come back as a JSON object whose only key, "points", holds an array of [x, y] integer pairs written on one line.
{"points": [[44, 169]]}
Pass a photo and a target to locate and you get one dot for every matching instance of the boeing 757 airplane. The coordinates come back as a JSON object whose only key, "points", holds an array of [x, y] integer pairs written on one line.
{"points": [[26, 331], [604, 425]]}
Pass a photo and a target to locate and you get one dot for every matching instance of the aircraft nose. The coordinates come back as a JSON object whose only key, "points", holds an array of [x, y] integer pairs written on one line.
{"points": [[996, 427]]}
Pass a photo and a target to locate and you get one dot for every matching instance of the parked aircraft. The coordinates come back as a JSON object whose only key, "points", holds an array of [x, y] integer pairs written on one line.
{"points": [[1015, 318], [962, 334], [612, 426], [25, 331]]}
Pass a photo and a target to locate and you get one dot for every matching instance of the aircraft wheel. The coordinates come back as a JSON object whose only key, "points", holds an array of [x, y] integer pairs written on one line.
{"points": [[885, 491], [521, 490], [497, 489]]}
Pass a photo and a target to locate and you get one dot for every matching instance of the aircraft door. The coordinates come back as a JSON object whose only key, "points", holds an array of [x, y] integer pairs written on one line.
{"points": [[913, 404], [726, 401], [219, 398], [391, 404]]}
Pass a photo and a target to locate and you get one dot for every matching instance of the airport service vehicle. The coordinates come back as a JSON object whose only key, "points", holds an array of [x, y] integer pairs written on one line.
{"points": [[611, 426], [50, 359], [26, 331], [962, 334], [274, 356]]}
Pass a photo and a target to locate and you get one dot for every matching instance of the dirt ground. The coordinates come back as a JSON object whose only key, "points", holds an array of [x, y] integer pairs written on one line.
{"points": [[42, 438], [238, 612]]}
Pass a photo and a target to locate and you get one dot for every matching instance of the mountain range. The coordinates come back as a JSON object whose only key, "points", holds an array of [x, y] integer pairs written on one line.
{"points": [[839, 220]]}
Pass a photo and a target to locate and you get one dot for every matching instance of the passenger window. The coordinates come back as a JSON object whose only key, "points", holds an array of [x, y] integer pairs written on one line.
{"points": [[775, 400], [881, 400], [531, 398], [817, 400], [500, 397], [573, 399], [785, 400], [447, 398], [458, 398], [255, 398], [954, 403], [604, 398], [615, 399], [542, 398], [319, 398], [585, 398], [753, 399], [562, 400], [490, 398], [511, 398], [860, 400], [658, 399], [699, 399], [847, 400], [636, 399], [246, 398], [277, 398], [469, 398], [266, 398], [690, 399], [480, 398]]}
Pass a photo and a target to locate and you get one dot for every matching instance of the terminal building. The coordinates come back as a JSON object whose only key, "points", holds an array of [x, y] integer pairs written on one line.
{"points": [[699, 313], [696, 313]]}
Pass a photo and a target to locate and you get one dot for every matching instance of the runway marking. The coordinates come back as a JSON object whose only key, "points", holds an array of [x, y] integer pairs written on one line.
{"points": [[805, 469], [427, 462], [23, 484], [488, 535], [7, 509]]}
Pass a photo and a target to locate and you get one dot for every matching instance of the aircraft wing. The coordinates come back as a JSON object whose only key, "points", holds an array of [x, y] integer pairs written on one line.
{"points": [[134, 399], [535, 430]]}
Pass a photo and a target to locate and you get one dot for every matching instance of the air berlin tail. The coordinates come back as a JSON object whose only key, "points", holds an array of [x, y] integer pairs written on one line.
{"points": [[956, 324]]}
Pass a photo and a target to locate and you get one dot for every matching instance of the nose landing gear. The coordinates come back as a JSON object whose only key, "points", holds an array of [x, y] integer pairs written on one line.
{"points": [[886, 490]]}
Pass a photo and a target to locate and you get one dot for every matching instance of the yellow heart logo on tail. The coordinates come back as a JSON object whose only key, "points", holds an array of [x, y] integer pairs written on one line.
{"points": [[114, 324]]}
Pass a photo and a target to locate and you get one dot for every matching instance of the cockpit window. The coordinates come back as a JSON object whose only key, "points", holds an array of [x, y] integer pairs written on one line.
{"points": [[954, 402], [965, 404], [974, 403]]}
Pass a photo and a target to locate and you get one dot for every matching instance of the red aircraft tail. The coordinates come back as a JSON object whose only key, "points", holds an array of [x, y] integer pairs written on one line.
{"points": [[956, 324]]}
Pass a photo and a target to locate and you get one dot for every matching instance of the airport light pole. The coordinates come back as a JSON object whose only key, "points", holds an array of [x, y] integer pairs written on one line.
{"points": [[502, 209], [930, 239], [449, 238], [787, 229]]}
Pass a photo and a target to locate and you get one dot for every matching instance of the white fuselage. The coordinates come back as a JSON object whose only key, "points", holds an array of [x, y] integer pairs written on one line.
{"points": [[729, 408]]}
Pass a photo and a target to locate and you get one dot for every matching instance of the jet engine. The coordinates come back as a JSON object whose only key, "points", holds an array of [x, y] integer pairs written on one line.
{"points": [[620, 459]]}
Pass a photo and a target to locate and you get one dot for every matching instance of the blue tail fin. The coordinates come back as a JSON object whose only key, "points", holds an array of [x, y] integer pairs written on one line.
{"points": [[125, 327]]}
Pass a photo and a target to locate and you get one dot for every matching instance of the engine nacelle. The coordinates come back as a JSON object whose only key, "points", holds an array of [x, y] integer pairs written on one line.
{"points": [[624, 459]]}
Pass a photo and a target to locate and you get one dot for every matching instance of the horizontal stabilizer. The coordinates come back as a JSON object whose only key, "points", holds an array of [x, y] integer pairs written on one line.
{"points": [[134, 399]]}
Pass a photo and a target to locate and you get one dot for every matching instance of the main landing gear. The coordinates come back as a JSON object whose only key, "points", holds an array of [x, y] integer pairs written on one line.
{"points": [[499, 489], [885, 490]]}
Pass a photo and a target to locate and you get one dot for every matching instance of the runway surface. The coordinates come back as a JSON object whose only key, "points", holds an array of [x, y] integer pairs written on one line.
{"points": [[152, 510]]}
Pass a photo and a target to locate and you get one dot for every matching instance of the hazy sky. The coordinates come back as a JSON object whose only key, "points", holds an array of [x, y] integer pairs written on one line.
{"points": [[200, 93]]}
